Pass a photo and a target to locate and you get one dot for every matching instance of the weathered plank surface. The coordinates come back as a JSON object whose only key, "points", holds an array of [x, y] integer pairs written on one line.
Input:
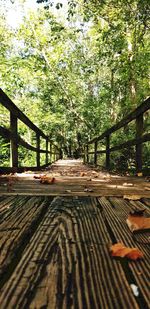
{"points": [[65, 260], [69, 182], [18, 221], [116, 211]]}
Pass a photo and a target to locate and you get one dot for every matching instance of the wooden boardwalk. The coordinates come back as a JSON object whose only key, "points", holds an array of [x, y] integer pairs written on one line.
{"points": [[55, 239], [73, 178]]}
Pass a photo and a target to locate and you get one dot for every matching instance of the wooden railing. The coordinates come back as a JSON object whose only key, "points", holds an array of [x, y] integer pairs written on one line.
{"points": [[139, 139], [15, 139]]}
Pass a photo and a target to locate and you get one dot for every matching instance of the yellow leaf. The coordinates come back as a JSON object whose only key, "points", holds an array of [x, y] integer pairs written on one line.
{"points": [[140, 174], [132, 197]]}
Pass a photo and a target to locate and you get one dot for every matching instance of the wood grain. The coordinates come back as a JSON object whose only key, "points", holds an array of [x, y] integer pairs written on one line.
{"points": [[67, 263], [116, 211]]}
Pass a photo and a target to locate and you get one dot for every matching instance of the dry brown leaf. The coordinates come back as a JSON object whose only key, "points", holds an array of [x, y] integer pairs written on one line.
{"points": [[47, 180], [39, 176], [82, 174], [138, 222], [132, 197], [120, 250], [135, 254]]}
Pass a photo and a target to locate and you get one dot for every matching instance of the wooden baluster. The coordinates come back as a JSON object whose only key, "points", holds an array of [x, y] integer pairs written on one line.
{"points": [[87, 153], [139, 132], [13, 142], [84, 155], [95, 153], [38, 151], [107, 151], [60, 156], [50, 153], [46, 161]]}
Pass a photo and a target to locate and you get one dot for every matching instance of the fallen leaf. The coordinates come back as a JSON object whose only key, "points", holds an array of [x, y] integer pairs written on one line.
{"points": [[134, 254], [82, 174], [138, 222], [132, 197], [39, 176], [120, 250], [140, 174], [47, 180]]}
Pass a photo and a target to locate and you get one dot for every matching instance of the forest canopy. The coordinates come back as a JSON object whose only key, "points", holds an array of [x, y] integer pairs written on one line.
{"points": [[74, 67]]}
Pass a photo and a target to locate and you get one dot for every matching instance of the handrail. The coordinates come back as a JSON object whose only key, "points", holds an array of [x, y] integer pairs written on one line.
{"points": [[137, 115], [15, 139], [6, 102]]}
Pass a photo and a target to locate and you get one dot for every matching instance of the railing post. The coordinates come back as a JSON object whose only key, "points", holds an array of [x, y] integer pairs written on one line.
{"points": [[38, 151], [87, 153], [139, 132], [95, 153], [50, 153], [13, 142], [107, 151], [46, 161], [60, 154], [84, 155]]}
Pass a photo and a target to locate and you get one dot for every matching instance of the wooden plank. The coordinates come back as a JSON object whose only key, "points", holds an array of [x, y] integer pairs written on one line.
{"points": [[16, 229], [103, 185], [116, 211], [67, 263], [5, 206], [146, 201], [77, 186]]}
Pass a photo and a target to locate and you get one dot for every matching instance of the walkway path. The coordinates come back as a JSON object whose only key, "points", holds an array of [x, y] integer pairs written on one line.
{"points": [[72, 178], [55, 250]]}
